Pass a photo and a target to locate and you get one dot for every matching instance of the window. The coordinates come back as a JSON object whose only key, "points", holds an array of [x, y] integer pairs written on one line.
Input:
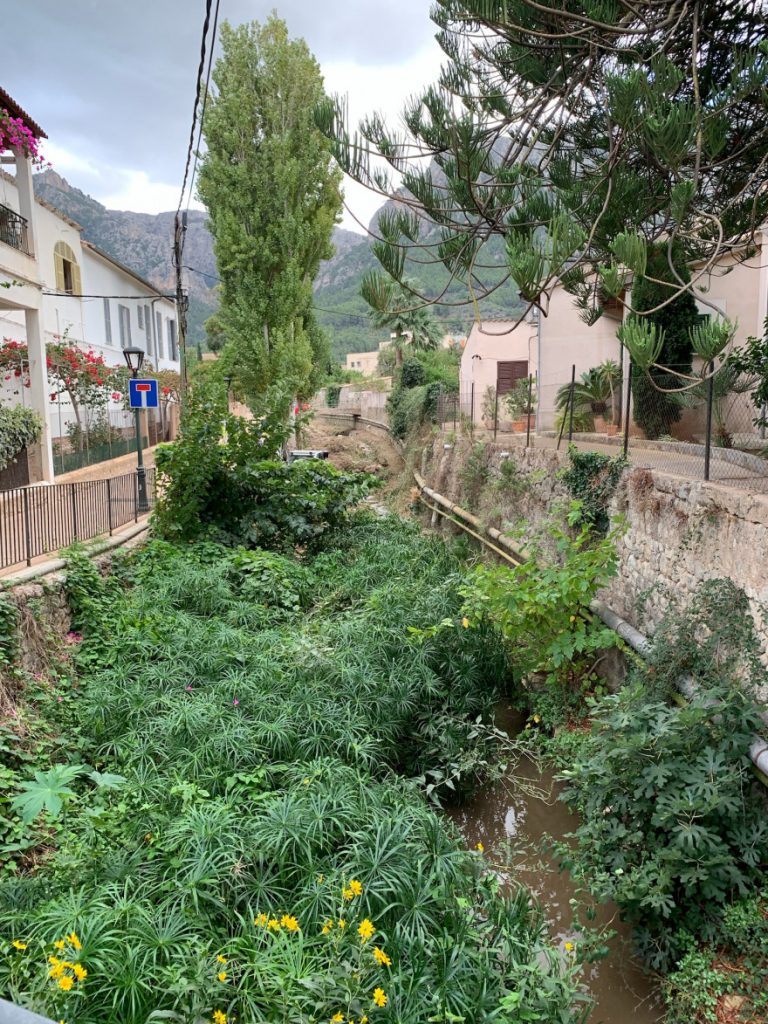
{"points": [[141, 317], [509, 373], [148, 325], [124, 319], [66, 269], [172, 346], [159, 335], [107, 323]]}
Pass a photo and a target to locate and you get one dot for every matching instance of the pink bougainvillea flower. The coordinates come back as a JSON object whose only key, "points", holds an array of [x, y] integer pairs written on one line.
{"points": [[73, 637], [188, 689], [235, 701]]}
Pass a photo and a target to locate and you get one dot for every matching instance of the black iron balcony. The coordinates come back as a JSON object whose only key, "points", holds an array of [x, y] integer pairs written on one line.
{"points": [[13, 230]]}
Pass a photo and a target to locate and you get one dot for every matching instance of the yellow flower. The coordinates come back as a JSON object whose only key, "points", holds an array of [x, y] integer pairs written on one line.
{"points": [[569, 947], [261, 920], [337, 1017], [221, 959], [480, 847], [465, 622], [66, 983], [56, 971], [289, 922], [342, 923], [379, 997], [365, 930], [382, 957], [19, 945], [274, 924], [327, 926], [222, 976], [363, 1019], [347, 894], [219, 1017], [537, 719], [59, 944], [80, 972], [73, 940], [356, 887], [54, 960]]}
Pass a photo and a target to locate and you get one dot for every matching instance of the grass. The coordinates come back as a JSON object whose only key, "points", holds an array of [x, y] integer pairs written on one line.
{"points": [[273, 726]]}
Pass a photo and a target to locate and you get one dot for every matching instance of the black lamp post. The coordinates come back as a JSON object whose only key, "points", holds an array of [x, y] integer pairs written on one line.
{"points": [[134, 358]]}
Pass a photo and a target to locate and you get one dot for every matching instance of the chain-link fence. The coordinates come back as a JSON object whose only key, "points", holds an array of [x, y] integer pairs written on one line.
{"points": [[700, 424]]}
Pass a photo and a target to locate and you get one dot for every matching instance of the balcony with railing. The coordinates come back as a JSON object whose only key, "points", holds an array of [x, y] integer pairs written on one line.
{"points": [[14, 230]]}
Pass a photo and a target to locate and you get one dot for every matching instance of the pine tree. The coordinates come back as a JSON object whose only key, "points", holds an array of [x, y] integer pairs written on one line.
{"points": [[273, 196], [580, 132]]}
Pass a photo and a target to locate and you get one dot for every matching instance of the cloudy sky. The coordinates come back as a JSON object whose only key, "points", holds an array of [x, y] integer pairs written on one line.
{"points": [[112, 81]]}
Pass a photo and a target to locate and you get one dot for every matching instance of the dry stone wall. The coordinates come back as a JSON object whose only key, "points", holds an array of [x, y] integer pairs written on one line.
{"points": [[678, 532]]}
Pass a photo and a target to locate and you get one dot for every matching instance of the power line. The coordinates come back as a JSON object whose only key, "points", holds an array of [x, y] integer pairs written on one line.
{"points": [[180, 221], [205, 101]]}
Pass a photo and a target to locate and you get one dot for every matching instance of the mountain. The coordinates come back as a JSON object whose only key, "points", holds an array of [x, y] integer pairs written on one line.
{"points": [[143, 242]]}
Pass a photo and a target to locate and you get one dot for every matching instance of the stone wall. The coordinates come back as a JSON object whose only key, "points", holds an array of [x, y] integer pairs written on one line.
{"points": [[678, 532]]}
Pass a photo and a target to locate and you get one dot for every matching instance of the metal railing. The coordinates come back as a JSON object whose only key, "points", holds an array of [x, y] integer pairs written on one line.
{"points": [[40, 520], [13, 229]]}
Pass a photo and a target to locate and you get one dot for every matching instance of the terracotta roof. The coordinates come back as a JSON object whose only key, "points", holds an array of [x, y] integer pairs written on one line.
{"points": [[9, 103]]}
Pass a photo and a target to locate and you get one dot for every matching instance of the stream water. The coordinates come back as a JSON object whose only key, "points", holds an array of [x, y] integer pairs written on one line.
{"points": [[511, 819]]}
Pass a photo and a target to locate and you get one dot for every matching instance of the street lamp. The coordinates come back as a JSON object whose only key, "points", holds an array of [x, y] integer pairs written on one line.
{"points": [[134, 358]]}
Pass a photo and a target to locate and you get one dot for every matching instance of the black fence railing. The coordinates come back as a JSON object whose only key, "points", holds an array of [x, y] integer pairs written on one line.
{"points": [[13, 229], [40, 520]]}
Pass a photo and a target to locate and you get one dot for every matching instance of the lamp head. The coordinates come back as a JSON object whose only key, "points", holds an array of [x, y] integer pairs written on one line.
{"points": [[134, 358]]}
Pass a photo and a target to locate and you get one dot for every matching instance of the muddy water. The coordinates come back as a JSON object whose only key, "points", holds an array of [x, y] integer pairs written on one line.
{"points": [[511, 819]]}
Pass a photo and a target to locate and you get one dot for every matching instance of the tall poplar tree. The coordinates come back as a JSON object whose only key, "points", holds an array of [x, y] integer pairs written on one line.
{"points": [[273, 197]]}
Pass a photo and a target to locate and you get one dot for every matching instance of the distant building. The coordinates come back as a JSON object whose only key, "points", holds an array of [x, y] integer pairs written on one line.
{"points": [[58, 286], [366, 363]]}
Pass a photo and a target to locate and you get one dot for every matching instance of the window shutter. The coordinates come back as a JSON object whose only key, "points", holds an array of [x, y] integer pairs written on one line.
{"points": [[148, 325], [140, 313], [77, 282], [58, 265], [107, 322], [159, 334], [508, 373]]}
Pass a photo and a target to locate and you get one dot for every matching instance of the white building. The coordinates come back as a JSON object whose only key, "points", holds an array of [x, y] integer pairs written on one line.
{"points": [[54, 285]]}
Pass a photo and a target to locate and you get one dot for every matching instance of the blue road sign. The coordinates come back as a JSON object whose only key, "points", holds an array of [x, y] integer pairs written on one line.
{"points": [[143, 394]]}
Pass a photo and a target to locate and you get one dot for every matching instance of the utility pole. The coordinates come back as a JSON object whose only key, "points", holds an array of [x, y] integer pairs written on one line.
{"points": [[180, 228]]}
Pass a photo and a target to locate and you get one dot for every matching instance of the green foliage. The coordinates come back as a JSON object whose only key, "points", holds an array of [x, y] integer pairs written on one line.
{"points": [[592, 479], [670, 827], [654, 411], [412, 374], [19, 428], [542, 611], [332, 394], [272, 195], [474, 474], [736, 966], [752, 359], [594, 394], [260, 778], [9, 637], [235, 491]]}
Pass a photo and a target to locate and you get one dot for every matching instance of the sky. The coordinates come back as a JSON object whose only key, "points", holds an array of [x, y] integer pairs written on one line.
{"points": [[112, 81]]}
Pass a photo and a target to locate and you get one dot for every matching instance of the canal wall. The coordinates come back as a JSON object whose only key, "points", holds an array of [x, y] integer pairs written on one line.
{"points": [[677, 532]]}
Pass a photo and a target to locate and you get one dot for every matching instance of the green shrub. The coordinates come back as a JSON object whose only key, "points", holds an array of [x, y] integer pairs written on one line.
{"points": [[261, 778], [412, 374], [592, 479], [234, 491], [19, 428], [671, 829]]}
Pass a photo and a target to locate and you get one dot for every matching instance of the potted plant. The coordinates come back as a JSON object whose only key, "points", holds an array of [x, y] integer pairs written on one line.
{"points": [[520, 401], [594, 397]]}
